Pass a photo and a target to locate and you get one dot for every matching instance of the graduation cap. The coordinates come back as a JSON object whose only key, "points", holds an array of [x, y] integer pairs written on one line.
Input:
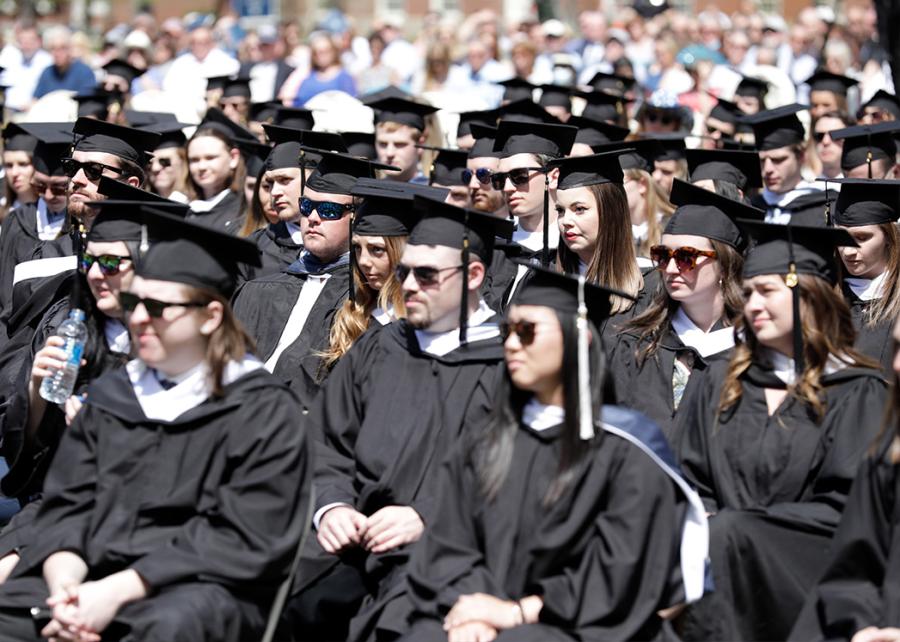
{"points": [[752, 88], [139, 118], [701, 212], [602, 105], [866, 143], [866, 202], [124, 220], [238, 87], [463, 229], [615, 83], [48, 155], [17, 139], [255, 154], [596, 132], [527, 111], [96, 104], [171, 134], [779, 127], [791, 250], [194, 255], [127, 143], [295, 117], [360, 144], [882, 100], [123, 69], [119, 191], [447, 166], [635, 154], [263, 112], [520, 137], [516, 89], [671, 146], [402, 111], [579, 171], [484, 142], [337, 173], [556, 96], [726, 111], [736, 167], [824, 80], [216, 120], [386, 208], [216, 83], [289, 143], [486, 117]]}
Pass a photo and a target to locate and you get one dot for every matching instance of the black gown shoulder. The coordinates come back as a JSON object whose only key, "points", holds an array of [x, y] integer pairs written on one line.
{"points": [[226, 216], [874, 340], [277, 251]]}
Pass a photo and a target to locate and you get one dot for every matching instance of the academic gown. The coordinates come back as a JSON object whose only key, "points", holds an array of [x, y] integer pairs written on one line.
{"points": [[806, 209], [17, 243], [500, 277], [208, 508], [226, 215], [610, 328], [776, 487], [860, 588], [387, 416], [264, 306], [277, 251], [873, 340], [602, 556]]}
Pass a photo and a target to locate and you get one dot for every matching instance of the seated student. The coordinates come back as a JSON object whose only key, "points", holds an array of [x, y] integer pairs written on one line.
{"points": [[400, 126], [448, 171], [558, 520], [856, 598], [721, 124], [828, 92], [18, 168], [729, 173], [881, 107], [868, 151], [689, 322], [164, 517], [773, 438]]}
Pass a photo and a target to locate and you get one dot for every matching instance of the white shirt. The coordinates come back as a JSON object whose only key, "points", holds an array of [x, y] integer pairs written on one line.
{"points": [[783, 366], [539, 417], [201, 205], [775, 201], [867, 289], [48, 229], [533, 241], [384, 316], [22, 76], [262, 81], [186, 77], [442, 343], [705, 343], [117, 337], [309, 294], [296, 235]]}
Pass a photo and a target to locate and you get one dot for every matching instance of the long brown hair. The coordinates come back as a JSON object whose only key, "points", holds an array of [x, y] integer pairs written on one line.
{"points": [[655, 203], [237, 175], [612, 263], [354, 317], [654, 323], [887, 307], [827, 329]]}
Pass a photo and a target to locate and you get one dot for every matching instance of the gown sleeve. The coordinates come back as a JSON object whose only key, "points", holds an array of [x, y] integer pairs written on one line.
{"points": [[694, 422]]}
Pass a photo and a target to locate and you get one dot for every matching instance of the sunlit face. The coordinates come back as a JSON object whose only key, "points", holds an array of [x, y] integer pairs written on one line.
{"points": [[325, 239], [52, 189], [768, 311], [286, 184], [398, 148], [578, 217], [19, 172], [827, 149], [881, 168], [780, 169], [822, 102], [484, 197], [716, 130], [82, 189], [699, 285], [457, 195], [235, 108], [165, 168], [526, 200], [748, 104], [870, 259], [372, 259], [536, 367], [249, 188], [636, 193], [664, 173], [106, 288], [211, 164], [265, 201], [433, 307]]}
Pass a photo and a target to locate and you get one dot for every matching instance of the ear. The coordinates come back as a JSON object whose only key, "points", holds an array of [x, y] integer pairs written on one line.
{"points": [[235, 157], [134, 181], [643, 184], [476, 275], [215, 312], [553, 175]]}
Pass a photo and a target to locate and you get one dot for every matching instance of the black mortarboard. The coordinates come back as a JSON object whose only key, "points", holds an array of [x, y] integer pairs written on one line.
{"points": [[882, 100], [360, 144], [484, 142], [338, 173], [704, 213], [602, 81], [386, 208], [216, 83], [467, 119], [120, 191], [736, 167], [289, 141], [579, 171], [295, 117], [263, 112], [216, 120], [552, 289], [140, 118], [518, 137], [17, 139], [238, 87], [123, 69], [601, 105], [824, 80], [170, 134], [866, 143], [556, 96], [125, 142], [402, 111], [672, 146], [195, 255], [779, 127], [726, 111], [124, 220], [596, 132], [516, 89], [447, 166], [48, 154], [866, 202], [752, 88], [527, 111], [255, 154], [96, 104], [642, 153]]}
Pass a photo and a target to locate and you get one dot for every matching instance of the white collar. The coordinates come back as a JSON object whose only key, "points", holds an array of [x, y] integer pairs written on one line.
{"points": [[192, 387], [48, 225], [443, 343], [639, 231], [117, 337], [705, 343], [296, 235], [384, 316], [201, 205], [867, 289], [783, 366], [780, 199], [534, 241], [539, 417], [643, 262]]}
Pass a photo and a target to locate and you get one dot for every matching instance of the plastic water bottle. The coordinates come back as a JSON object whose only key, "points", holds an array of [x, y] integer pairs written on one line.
{"points": [[59, 386]]}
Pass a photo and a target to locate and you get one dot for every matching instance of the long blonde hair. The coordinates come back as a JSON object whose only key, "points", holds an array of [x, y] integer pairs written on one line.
{"points": [[656, 203]]}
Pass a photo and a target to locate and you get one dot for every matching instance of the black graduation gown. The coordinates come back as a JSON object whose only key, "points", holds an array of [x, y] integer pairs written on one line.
{"points": [[860, 585], [777, 486], [277, 251], [210, 505], [264, 306], [873, 340], [226, 216], [386, 417], [17, 243], [501, 274], [611, 328], [808, 209], [601, 556]]}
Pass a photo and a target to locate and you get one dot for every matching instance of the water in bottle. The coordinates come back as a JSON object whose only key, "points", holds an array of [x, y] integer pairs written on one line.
{"points": [[57, 387]]}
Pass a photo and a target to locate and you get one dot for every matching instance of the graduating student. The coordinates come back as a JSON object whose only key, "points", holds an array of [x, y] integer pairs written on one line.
{"points": [[721, 124], [828, 92], [880, 107], [750, 95], [689, 322], [465, 137], [729, 173], [868, 151], [562, 519], [869, 210], [669, 162], [400, 125], [772, 438], [164, 517], [387, 415], [448, 171], [168, 167], [592, 134], [481, 164], [557, 100], [18, 168]]}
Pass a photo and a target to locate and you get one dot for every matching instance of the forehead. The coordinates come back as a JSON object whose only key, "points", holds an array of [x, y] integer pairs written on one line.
{"points": [[828, 124], [97, 157], [158, 289], [108, 247], [283, 172], [484, 161], [430, 255], [777, 153], [674, 241], [576, 194], [324, 196], [518, 160], [205, 144], [535, 313]]}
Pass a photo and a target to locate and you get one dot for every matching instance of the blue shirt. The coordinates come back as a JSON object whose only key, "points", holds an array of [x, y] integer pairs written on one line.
{"points": [[312, 86], [78, 78]]}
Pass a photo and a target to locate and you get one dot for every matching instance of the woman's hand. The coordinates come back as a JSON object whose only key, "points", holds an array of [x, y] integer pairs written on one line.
{"points": [[73, 405], [48, 360], [472, 632], [7, 564], [392, 527], [340, 528], [874, 634], [484, 608]]}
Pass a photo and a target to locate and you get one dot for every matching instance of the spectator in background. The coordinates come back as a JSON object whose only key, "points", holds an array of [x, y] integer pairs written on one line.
{"points": [[66, 72], [326, 72], [478, 69], [436, 71], [795, 57], [269, 73], [162, 55], [399, 55], [379, 75], [590, 47], [526, 64], [187, 75], [24, 63]]}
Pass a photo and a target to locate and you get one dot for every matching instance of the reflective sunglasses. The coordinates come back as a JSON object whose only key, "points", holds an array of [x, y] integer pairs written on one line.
{"points": [[663, 117], [327, 210], [685, 257], [425, 276], [155, 308], [517, 177], [110, 264], [58, 188], [92, 169], [522, 329], [483, 174]]}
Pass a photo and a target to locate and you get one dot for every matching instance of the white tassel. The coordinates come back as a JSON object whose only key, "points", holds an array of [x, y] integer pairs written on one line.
{"points": [[586, 421], [145, 241]]}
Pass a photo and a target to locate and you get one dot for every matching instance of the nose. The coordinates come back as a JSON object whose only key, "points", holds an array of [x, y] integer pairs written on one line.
{"points": [[138, 317], [672, 267], [896, 364], [474, 183], [410, 284], [94, 273], [80, 178]]}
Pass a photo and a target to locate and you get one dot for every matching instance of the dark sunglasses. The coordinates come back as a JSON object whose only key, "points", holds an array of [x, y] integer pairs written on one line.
{"points": [[712, 131], [877, 115], [327, 210], [110, 264], [685, 257], [92, 169], [820, 136], [155, 308], [522, 329], [483, 174], [164, 162], [57, 189], [425, 276], [517, 177], [663, 117]]}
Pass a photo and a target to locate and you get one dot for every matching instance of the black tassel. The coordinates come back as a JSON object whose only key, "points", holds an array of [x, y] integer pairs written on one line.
{"points": [[545, 253], [792, 280], [352, 293], [464, 300]]}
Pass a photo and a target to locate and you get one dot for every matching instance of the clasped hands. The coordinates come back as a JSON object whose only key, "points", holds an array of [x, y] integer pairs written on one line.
{"points": [[343, 527]]}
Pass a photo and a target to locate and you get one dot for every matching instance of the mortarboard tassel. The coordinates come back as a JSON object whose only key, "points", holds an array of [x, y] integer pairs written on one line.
{"points": [[827, 205], [585, 413], [352, 293], [145, 241], [545, 252], [464, 309], [792, 280]]}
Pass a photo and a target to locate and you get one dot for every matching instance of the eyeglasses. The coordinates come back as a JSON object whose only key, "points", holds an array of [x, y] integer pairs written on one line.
{"points": [[425, 276], [712, 131], [110, 264], [155, 308], [327, 210], [165, 163], [654, 115], [820, 136], [57, 189], [92, 169], [685, 257], [875, 114], [517, 177], [522, 329], [483, 174]]}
